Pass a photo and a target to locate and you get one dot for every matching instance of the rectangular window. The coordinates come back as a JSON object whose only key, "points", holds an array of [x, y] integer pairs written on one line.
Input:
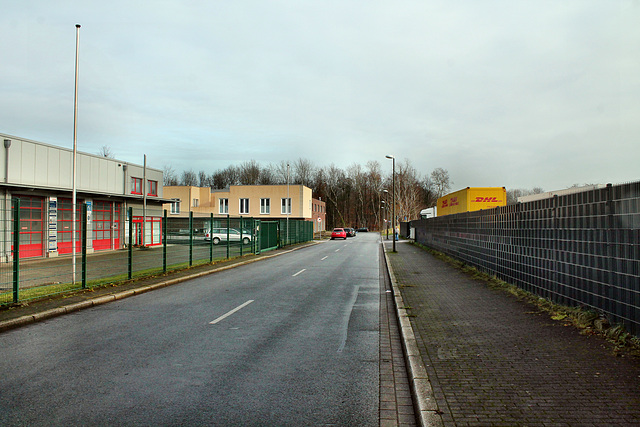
{"points": [[244, 206], [224, 206], [265, 206], [136, 185], [175, 206], [196, 203], [286, 206], [153, 188]]}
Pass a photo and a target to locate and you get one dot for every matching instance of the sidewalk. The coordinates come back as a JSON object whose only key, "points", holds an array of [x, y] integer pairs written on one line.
{"points": [[493, 360]]}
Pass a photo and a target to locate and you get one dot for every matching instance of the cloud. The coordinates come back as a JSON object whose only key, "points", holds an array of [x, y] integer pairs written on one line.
{"points": [[520, 94]]}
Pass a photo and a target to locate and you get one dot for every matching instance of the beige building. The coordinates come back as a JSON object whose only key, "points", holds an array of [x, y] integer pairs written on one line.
{"points": [[257, 201]]}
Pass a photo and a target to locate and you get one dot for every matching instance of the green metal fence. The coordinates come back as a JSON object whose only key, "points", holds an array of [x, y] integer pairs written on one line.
{"points": [[144, 244]]}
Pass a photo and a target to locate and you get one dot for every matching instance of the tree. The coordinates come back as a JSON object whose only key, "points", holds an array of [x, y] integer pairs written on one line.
{"points": [[169, 176], [439, 182], [514, 193], [203, 179], [302, 172], [189, 178], [281, 172], [249, 173], [105, 151]]}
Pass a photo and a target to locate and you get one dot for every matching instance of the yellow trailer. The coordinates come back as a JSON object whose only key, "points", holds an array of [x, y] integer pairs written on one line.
{"points": [[472, 199]]}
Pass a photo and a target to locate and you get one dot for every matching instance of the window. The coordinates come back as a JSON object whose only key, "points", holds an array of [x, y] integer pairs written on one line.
{"points": [[265, 206], [175, 206], [224, 206], [244, 206], [195, 203], [136, 185], [153, 188], [286, 206]]}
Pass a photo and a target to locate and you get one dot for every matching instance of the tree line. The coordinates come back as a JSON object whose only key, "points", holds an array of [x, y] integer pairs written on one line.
{"points": [[355, 196]]}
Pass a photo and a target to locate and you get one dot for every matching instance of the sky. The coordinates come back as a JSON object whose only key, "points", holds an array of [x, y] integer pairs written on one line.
{"points": [[520, 94]]}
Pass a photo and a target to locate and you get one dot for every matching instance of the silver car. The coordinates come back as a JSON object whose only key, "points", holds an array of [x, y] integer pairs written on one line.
{"points": [[220, 234]]}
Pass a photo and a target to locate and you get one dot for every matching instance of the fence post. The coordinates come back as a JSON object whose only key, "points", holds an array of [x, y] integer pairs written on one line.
{"points": [[241, 236], [164, 242], [228, 225], [190, 238], [16, 250], [83, 227], [211, 238], [609, 223], [130, 260]]}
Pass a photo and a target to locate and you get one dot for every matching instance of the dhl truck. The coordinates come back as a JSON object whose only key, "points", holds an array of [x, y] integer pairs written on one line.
{"points": [[472, 199]]}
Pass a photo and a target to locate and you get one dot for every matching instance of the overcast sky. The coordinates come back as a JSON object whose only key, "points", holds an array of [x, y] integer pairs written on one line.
{"points": [[519, 94]]}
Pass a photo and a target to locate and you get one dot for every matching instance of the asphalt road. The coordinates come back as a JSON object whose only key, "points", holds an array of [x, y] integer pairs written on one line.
{"points": [[292, 340]]}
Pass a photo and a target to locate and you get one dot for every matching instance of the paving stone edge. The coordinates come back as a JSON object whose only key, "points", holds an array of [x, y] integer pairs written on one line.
{"points": [[425, 402]]}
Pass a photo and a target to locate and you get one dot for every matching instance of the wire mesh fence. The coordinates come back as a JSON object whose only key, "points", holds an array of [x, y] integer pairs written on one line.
{"points": [[580, 249], [112, 247]]}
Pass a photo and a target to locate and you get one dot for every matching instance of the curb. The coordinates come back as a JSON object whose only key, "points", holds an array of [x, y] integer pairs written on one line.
{"points": [[425, 402], [59, 311]]}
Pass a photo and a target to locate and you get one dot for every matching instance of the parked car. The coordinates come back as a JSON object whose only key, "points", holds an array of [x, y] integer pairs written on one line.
{"points": [[350, 232], [338, 233], [362, 230], [220, 234]]}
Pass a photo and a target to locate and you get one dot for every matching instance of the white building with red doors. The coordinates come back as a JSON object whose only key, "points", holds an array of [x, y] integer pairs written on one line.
{"points": [[40, 176]]}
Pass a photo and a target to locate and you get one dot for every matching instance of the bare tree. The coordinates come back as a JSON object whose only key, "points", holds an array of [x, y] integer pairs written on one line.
{"points": [[266, 176], [105, 151], [439, 182], [514, 193], [281, 172], [249, 173], [203, 179], [302, 172], [189, 178], [169, 175]]}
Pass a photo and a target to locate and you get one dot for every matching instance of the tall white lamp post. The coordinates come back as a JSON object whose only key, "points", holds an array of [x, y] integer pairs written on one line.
{"points": [[75, 153]]}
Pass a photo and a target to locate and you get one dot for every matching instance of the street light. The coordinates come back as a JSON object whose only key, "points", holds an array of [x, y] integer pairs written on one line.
{"points": [[386, 212], [75, 151], [384, 207], [393, 192]]}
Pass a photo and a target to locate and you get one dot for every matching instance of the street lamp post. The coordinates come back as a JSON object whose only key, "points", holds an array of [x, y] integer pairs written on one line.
{"points": [[386, 227], [393, 192], [384, 220], [75, 150]]}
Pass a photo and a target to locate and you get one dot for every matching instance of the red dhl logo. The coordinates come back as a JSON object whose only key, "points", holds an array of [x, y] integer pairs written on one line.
{"points": [[486, 200]]}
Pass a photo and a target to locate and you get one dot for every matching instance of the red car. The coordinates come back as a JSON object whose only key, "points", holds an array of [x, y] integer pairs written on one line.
{"points": [[338, 233]]}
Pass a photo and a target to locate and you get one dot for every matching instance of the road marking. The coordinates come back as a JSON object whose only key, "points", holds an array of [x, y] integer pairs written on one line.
{"points": [[337, 250], [224, 316], [304, 269], [324, 258]]}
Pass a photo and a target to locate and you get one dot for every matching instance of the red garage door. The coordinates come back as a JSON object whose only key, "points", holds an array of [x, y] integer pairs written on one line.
{"points": [[106, 225], [65, 225], [31, 226]]}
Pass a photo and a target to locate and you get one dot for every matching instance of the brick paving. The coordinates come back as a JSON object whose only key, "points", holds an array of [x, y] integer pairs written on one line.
{"points": [[396, 403], [494, 360]]}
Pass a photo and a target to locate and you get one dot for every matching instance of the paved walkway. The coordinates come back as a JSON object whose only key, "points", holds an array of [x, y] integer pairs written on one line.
{"points": [[493, 360]]}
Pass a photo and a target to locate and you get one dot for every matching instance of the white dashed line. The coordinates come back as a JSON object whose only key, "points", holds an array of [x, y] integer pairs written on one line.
{"points": [[224, 316], [299, 272]]}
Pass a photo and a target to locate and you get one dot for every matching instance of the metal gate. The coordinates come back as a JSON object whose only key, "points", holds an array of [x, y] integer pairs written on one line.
{"points": [[268, 235]]}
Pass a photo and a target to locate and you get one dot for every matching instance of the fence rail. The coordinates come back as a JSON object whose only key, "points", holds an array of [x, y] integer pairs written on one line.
{"points": [[145, 244], [580, 249]]}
